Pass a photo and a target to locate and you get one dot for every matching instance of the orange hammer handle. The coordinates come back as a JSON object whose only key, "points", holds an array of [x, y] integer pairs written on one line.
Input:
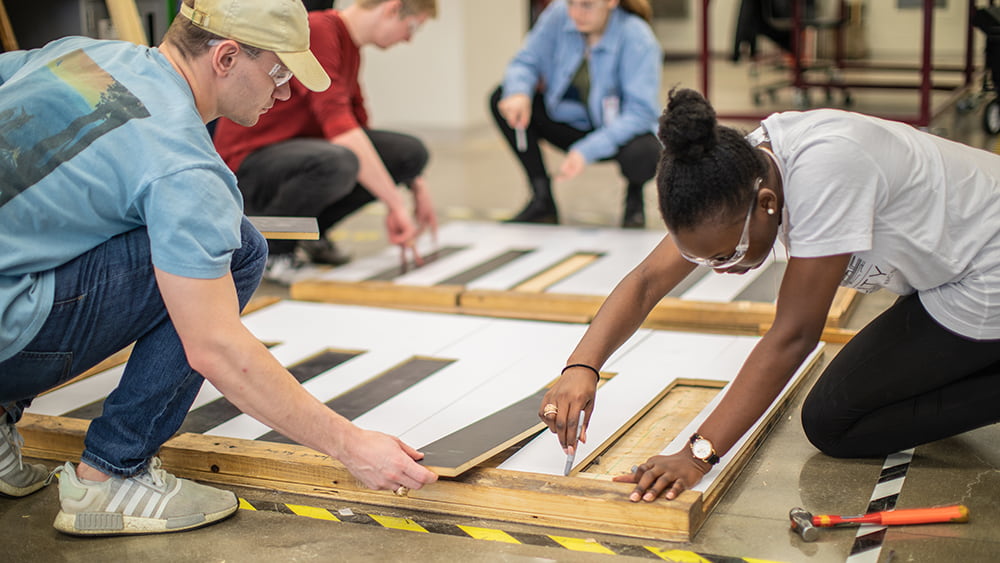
{"points": [[954, 513]]}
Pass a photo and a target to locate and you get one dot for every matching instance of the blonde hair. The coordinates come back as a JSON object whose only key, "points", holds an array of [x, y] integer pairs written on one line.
{"points": [[640, 8], [409, 7]]}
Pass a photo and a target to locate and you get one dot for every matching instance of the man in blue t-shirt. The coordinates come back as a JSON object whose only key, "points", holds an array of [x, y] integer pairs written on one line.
{"points": [[119, 223]]}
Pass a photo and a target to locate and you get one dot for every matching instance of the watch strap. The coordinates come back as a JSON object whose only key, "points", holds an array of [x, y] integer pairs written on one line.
{"points": [[712, 458]]}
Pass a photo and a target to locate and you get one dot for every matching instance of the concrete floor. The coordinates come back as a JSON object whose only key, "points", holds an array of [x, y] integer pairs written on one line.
{"points": [[473, 176]]}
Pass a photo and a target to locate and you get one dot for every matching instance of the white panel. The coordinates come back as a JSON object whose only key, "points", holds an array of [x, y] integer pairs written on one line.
{"points": [[76, 395]]}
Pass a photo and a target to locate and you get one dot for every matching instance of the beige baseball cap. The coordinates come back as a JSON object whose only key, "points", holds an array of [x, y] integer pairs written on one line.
{"points": [[281, 26]]}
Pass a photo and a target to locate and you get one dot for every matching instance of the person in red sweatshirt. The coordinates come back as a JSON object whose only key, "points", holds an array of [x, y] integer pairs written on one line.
{"points": [[315, 155]]}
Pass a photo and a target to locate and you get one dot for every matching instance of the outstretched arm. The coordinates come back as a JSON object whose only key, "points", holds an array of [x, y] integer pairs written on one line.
{"points": [[807, 290], [218, 346], [619, 317], [373, 175]]}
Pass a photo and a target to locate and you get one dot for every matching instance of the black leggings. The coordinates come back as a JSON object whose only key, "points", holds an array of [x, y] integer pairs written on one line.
{"points": [[902, 381], [637, 159], [315, 178]]}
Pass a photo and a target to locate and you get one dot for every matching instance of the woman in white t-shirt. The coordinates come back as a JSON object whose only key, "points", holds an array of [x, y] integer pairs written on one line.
{"points": [[857, 201]]}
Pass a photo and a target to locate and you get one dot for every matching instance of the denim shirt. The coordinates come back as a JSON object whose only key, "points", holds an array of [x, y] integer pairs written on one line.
{"points": [[625, 68]]}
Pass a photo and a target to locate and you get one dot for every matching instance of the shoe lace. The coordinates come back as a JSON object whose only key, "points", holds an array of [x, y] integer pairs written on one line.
{"points": [[154, 473], [16, 442]]}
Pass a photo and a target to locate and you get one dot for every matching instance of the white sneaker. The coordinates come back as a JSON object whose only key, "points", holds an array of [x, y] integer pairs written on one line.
{"points": [[283, 269], [151, 502], [17, 478]]}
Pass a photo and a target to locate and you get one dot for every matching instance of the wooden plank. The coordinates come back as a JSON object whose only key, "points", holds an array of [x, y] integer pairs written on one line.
{"points": [[571, 265], [659, 426], [488, 370], [286, 228], [125, 17], [562, 502], [564, 290], [382, 294], [7, 39]]}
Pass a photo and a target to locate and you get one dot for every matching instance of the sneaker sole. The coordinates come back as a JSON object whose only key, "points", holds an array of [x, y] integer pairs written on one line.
{"points": [[16, 492], [116, 524]]}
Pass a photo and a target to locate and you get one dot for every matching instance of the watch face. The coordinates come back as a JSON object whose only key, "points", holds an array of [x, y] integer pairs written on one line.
{"points": [[702, 448]]}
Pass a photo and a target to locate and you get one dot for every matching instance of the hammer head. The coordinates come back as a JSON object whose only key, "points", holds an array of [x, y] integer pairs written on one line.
{"points": [[802, 524]]}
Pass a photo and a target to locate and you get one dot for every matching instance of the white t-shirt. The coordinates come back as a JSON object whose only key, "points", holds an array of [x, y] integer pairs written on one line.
{"points": [[916, 211]]}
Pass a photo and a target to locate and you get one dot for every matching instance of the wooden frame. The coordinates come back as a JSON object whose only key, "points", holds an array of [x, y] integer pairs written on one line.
{"points": [[588, 501], [540, 292]]}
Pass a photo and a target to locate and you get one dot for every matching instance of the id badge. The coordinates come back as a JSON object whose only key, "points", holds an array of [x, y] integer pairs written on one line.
{"points": [[610, 107]]}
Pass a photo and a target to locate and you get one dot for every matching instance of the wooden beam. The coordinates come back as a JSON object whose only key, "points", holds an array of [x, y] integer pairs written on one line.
{"points": [[7, 39], [378, 293], [125, 17], [591, 505], [514, 491], [286, 228]]}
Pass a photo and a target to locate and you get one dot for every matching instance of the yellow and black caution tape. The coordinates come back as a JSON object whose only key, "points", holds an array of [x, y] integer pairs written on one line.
{"points": [[492, 534]]}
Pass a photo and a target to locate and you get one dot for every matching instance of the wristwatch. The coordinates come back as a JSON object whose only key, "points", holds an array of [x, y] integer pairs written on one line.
{"points": [[702, 449]]}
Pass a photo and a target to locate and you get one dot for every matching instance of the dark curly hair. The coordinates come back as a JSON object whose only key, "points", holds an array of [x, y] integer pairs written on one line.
{"points": [[705, 170]]}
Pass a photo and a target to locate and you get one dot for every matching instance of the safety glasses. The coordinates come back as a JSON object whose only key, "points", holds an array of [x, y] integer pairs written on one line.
{"points": [[741, 247]]}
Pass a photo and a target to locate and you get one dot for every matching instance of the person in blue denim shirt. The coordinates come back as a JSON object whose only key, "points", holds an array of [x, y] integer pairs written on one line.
{"points": [[118, 223], [586, 80]]}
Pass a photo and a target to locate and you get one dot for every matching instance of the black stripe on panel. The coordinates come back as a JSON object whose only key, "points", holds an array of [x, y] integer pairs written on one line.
{"points": [[484, 268], [220, 410], [482, 439], [764, 289], [376, 391], [396, 271]]}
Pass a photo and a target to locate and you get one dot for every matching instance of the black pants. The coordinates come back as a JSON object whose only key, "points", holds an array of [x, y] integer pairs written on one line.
{"points": [[637, 159], [902, 381], [316, 178]]}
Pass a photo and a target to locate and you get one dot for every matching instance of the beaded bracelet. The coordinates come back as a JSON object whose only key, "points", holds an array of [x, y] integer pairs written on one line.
{"points": [[591, 368]]}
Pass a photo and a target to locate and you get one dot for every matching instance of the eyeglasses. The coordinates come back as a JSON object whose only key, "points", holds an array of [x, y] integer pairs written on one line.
{"points": [[413, 24], [585, 6], [280, 74], [741, 248]]}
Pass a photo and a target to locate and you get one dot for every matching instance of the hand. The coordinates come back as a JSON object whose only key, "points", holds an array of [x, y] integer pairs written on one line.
{"points": [[423, 210], [573, 164], [384, 462], [573, 392], [403, 232], [665, 473], [516, 109]]}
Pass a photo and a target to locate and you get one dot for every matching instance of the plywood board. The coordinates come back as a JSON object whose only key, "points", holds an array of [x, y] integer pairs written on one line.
{"points": [[288, 228], [560, 273], [487, 365], [7, 39]]}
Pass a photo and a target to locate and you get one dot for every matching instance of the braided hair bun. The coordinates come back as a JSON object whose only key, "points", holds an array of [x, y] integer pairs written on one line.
{"points": [[688, 126], [705, 170]]}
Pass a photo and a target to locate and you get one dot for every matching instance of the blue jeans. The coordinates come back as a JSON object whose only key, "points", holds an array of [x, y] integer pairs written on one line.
{"points": [[105, 300]]}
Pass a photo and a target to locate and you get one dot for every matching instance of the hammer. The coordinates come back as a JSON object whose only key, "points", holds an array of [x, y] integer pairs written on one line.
{"points": [[806, 525]]}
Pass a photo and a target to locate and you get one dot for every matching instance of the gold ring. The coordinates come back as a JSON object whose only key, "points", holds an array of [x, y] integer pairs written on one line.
{"points": [[549, 409], [401, 491]]}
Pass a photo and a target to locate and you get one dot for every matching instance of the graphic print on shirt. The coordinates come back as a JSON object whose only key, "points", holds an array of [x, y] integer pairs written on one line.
{"points": [[866, 277], [59, 116]]}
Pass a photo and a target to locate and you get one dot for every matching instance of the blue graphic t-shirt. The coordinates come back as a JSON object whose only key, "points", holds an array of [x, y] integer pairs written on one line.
{"points": [[98, 138]]}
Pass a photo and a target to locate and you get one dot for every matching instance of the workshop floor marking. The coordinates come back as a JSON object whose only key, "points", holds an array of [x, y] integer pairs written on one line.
{"points": [[488, 534], [870, 537], [492, 534]]}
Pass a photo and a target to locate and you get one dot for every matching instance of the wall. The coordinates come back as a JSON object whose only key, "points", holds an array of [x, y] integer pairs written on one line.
{"points": [[443, 77]]}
